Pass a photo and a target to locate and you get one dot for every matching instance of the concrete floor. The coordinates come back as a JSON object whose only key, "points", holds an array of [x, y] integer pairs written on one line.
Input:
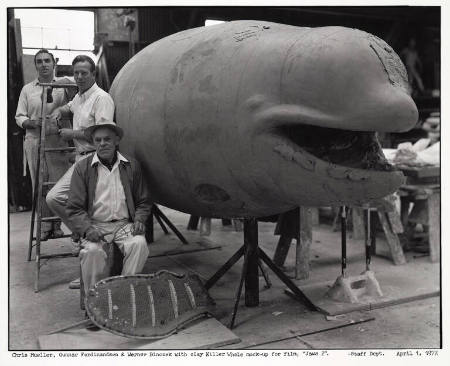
{"points": [[414, 324]]}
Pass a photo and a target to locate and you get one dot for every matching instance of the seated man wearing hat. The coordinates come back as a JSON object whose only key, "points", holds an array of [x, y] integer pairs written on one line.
{"points": [[108, 201]]}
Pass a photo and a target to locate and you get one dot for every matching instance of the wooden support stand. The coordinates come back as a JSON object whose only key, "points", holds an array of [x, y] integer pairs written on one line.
{"points": [[295, 224], [252, 257], [282, 250]]}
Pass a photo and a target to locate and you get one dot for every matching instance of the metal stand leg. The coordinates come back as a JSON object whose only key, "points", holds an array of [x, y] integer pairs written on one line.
{"points": [[265, 274], [222, 270], [251, 256], [239, 292], [344, 241]]}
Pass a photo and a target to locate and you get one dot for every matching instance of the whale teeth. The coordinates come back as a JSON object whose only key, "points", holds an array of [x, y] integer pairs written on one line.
{"points": [[290, 154], [351, 174], [337, 172], [303, 160], [285, 151], [358, 175]]}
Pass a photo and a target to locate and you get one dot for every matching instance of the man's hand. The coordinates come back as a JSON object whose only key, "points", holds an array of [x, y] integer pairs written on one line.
{"points": [[66, 134], [32, 123], [57, 115], [138, 228], [53, 119], [93, 234]]}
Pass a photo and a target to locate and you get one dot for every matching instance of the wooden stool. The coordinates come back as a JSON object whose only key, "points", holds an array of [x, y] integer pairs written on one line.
{"points": [[391, 225], [426, 211]]}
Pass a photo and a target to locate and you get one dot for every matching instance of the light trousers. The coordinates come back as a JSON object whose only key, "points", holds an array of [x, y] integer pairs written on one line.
{"points": [[93, 258], [54, 166], [57, 197]]}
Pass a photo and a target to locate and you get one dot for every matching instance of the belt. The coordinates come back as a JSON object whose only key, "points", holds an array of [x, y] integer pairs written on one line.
{"points": [[86, 152]]}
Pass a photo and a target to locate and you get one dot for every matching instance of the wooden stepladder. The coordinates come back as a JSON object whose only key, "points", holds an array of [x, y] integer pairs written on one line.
{"points": [[40, 184]]}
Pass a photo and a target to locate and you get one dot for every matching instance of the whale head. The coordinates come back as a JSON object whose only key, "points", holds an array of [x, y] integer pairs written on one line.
{"points": [[313, 138]]}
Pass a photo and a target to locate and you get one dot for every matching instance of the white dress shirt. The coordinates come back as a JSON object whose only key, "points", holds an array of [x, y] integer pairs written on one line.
{"points": [[93, 106], [30, 104], [109, 199]]}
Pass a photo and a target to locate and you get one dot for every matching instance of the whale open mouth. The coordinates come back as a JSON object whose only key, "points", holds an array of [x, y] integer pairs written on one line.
{"points": [[353, 149]]}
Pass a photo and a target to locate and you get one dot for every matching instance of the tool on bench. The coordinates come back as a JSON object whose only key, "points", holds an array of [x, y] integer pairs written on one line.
{"points": [[355, 289]]}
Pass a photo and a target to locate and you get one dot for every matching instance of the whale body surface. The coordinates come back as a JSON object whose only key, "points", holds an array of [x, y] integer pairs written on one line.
{"points": [[252, 118]]}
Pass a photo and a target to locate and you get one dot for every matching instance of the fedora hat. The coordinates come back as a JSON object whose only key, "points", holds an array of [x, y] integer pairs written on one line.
{"points": [[108, 124]]}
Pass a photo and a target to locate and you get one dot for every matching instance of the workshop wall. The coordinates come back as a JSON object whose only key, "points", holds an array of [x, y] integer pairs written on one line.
{"points": [[113, 22]]}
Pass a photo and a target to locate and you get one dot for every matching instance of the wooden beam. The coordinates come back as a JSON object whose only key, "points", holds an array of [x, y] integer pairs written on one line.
{"points": [[434, 226], [392, 239], [304, 240]]}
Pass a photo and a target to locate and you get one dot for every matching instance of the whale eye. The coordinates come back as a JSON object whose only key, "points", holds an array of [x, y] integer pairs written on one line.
{"points": [[210, 193]]}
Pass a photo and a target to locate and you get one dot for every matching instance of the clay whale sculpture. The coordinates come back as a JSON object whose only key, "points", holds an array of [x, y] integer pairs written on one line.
{"points": [[251, 118]]}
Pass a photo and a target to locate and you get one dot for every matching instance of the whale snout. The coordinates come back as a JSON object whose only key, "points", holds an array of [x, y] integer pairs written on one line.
{"points": [[397, 114]]}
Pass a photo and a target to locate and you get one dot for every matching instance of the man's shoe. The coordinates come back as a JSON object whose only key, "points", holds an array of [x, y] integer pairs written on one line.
{"points": [[75, 284], [45, 235], [76, 247], [91, 326], [57, 233]]}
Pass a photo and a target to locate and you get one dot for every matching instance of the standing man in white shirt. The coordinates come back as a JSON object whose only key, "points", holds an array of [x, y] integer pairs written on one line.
{"points": [[28, 117], [90, 106]]}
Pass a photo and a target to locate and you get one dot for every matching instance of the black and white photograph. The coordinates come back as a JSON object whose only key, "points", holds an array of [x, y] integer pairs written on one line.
{"points": [[213, 182]]}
